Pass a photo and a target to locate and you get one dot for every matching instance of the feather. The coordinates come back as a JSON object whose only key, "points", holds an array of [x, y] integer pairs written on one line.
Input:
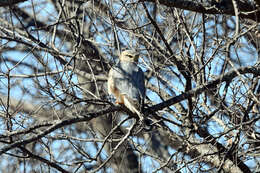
{"points": [[126, 83], [133, 106]]}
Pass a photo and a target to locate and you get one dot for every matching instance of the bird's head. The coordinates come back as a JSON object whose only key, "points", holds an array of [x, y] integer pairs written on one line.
{"points": [[129, 56]]}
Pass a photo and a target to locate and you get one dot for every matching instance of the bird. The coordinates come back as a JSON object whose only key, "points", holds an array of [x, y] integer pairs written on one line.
{"points": [[126, 82]]}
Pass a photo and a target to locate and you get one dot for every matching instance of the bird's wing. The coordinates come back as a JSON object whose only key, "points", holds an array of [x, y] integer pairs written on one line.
{"points": [[129, 82], [111, 82], [117, 84]]}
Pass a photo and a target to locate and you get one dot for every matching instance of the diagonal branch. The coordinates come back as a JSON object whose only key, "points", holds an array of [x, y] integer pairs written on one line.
{"points": [[212, 84], [52, 164], [4, 3], [58, 125], [247, 10]]}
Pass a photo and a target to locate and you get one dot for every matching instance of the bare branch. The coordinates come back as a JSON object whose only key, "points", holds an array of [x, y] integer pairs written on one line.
{"points": [[4, 3]]}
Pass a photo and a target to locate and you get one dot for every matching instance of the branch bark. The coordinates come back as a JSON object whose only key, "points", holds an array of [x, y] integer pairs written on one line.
{"points": [[58, 125], [247, 10], [212, 84], [4, 3]]}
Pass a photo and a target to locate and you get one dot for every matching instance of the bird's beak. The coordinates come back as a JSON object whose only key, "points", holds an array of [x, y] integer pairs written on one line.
{"points": [[136, 57]]}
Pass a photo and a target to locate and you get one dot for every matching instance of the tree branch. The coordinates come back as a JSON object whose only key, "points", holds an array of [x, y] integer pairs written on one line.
{"points": [[212, 84], [58, 125], [52, 164], [247, 10], [4, 3]]}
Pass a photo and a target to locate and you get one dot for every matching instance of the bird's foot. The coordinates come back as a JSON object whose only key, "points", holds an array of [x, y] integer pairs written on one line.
{"points": [[118, 102], [141, 120]]}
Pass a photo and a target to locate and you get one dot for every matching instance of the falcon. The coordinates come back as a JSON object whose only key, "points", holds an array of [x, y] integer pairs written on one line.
{"points": [[126, 82]]}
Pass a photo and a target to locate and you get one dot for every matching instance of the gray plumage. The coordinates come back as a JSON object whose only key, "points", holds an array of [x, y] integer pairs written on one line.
{"points": [[126, 82], [130, 80]]}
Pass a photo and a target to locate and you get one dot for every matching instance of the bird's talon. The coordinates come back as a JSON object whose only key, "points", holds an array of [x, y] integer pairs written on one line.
{"points": [[141, 120]]}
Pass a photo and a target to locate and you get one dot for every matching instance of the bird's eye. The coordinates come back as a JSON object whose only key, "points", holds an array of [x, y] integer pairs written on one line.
{"points": [[130, 56]]}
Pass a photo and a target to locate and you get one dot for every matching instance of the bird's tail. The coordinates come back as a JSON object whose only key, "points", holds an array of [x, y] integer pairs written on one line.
{"points": [[133, 107]]}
